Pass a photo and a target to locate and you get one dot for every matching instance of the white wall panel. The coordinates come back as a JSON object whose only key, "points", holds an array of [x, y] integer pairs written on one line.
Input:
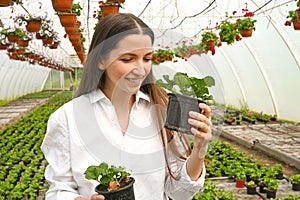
{"points": [[18, 78]]}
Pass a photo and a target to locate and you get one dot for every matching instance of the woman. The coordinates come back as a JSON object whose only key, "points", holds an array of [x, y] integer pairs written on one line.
{"points": [[117, 117]]}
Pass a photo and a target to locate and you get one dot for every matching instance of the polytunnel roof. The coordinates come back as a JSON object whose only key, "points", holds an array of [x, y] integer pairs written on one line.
{"points": [[261, 72]]}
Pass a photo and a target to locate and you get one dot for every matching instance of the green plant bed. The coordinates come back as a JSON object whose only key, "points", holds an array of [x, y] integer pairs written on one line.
{"points": [[42, 94], [211, 191], [22, 162], [3, 102]]}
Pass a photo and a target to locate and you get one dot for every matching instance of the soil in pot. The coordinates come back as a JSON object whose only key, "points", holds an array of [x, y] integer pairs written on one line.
{"points": [[125, 192], [178, 112]]}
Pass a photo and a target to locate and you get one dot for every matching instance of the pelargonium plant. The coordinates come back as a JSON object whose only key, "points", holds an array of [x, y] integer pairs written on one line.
{"points": [[111, 177], [162, 55]]}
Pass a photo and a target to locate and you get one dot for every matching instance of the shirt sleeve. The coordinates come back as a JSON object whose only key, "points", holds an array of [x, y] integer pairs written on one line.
{"points": [[56, 150], [184, 188]]}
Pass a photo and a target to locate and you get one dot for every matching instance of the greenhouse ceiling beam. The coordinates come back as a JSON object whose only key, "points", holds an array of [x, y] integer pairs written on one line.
{"points": [[235, 75], [264, 75]]}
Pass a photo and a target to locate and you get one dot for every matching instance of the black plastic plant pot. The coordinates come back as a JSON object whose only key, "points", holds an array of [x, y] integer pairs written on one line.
{"points": [[271, 194], [123, 193], [251, 190], [178, 112], [296, 187], [262, 188]]}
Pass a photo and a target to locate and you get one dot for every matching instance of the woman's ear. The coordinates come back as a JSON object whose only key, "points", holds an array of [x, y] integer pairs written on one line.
{"points": [[101, 66]]}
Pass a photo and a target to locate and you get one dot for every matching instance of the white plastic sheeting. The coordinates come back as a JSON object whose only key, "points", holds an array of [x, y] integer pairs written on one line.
{"points": [[18, 78], [261, 72]]}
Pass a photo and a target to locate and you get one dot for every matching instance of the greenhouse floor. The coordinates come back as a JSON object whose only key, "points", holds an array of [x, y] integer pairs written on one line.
{"points": [[278, 140], [16, 109]]}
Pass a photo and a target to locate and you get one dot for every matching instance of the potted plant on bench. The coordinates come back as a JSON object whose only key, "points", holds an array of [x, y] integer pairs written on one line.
{"points": [[295, 182]]}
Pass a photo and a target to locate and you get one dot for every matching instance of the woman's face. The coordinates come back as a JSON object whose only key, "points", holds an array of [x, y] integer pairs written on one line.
{"points": [[128, 64]]}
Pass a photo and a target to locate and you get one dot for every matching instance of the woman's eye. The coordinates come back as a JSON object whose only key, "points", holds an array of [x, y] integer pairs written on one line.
{"points": [[126, 59], [147, 59]]}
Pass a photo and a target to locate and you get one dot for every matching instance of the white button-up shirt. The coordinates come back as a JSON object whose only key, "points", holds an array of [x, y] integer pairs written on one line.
{"points": [[86, 131]]}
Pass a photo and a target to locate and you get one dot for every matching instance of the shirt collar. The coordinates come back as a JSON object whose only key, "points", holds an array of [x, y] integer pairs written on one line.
{"points": [[98, 95]]}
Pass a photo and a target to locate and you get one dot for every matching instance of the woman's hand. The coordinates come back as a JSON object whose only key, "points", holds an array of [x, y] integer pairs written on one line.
{"points": [[201, 129], [93, 197]]}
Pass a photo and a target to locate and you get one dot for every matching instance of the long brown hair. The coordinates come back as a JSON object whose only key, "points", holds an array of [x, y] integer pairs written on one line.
{"points": [[107, 34]]}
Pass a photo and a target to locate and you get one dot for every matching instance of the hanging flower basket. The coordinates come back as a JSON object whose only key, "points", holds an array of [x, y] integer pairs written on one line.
{"points": [[116, 1], [54, 45], [20, 51], [71, 29], [13, 38], [210, 44], [296, 24], [34, 25], [107, 9], [5, 3], [76, 42], [3, 46], [11, 50], [298, 13], [74, 37], [67, 19], [13, 56], [246, 32], [47, 40], [62, 5], [78, 48], [39, 36], [23, 43]]}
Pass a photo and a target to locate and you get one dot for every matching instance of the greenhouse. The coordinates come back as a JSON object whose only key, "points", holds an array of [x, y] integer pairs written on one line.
{"points": [[241, 59]]}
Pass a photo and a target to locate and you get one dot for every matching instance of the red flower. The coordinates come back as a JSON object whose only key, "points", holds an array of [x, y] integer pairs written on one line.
{"points": [[219, 44], [234, 12], [78, 23], [94, 15], [249, 14], [288, 23], [154, 57], [65, 35], [238, 37], [169, 57], [175, 61], [245, 10], [162, 56], [213, 51]]}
